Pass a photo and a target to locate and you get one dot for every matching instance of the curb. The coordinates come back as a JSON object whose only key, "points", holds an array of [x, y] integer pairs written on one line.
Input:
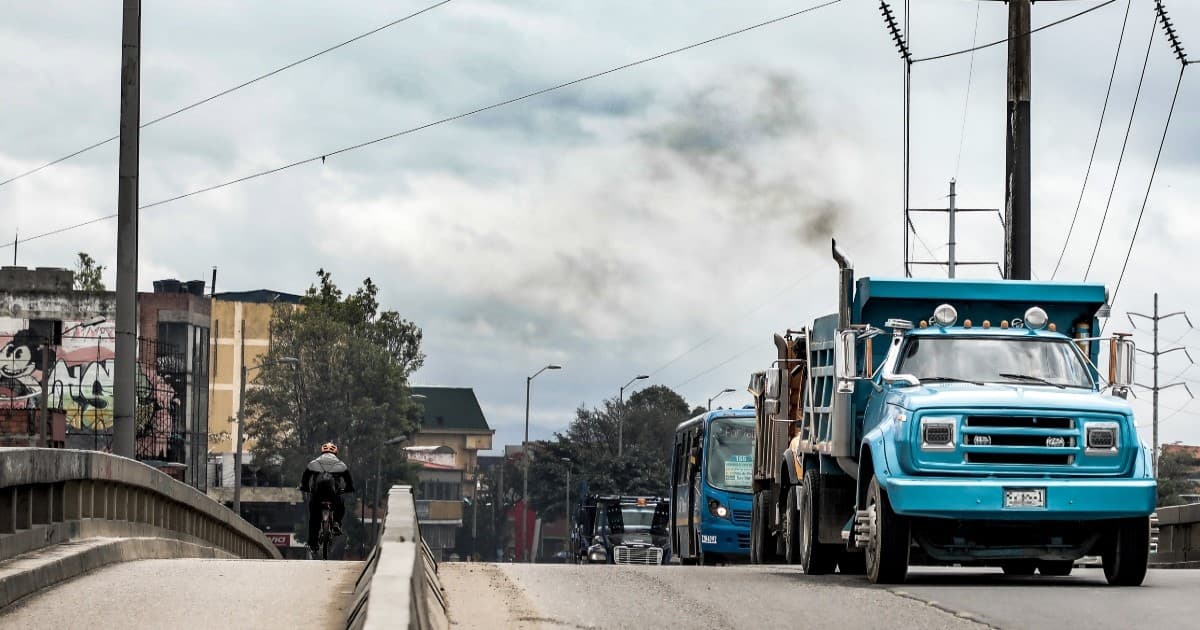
{"points": [[28, 574]]}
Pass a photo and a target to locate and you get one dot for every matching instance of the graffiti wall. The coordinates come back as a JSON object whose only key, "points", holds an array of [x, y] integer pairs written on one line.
{"points": [[80, 371]]}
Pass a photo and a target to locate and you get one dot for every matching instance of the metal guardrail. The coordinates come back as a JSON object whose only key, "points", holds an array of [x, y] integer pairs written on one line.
{"points": [[51, 496], [1178, 537], [399, 586]]}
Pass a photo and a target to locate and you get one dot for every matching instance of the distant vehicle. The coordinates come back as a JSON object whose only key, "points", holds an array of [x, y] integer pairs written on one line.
{"points": [[711, 466], [951, 422], [613, 529]]}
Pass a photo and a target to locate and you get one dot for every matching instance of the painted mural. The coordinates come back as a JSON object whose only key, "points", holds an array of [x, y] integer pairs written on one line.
{"points": [[80, 377]]}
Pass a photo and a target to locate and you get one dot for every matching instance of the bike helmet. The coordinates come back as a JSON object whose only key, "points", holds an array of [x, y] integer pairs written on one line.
{"points": [[329, 447]]}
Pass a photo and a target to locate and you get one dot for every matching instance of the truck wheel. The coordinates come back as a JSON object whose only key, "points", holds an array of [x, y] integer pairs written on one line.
{"points": [[1056, 568], [1018, 568], [791, 529], [756, 527], [888, 539], [1125, 561], [815, 558]]}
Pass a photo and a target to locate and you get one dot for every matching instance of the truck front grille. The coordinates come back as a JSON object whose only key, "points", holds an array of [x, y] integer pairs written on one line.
{"points": [[637, 555], [1036, 440]]}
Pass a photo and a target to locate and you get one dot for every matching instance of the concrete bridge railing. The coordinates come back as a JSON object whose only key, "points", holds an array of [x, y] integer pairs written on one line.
{"points": [[1178, 537], [109, 509], [399, 585]]}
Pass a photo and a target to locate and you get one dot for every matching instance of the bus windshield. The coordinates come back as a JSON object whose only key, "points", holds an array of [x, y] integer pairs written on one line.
{"points": [[730, 454], [1027, 360]]}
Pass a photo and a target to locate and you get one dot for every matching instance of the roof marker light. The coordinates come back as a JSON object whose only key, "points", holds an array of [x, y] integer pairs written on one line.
{"points": [[945, 315], [1004, 324], [1053, 328], [1036, 318], [966, 323]]}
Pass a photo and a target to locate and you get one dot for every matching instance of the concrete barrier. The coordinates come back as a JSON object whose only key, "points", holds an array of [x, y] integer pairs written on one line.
{"points": [[399, 586], [49, 497], [1178, 537]]}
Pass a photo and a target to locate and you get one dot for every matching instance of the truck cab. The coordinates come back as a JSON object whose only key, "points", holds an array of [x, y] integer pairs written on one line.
{"points": [[613, 529], [958, 422]]}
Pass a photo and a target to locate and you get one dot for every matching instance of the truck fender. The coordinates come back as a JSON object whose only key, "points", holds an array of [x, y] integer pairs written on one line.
{"points": [[873, 461]]}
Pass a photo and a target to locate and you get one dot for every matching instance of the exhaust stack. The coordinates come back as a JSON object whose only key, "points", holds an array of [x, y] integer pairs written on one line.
{"points": [[845, 286]]}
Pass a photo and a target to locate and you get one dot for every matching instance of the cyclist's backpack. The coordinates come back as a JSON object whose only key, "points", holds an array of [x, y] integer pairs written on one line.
{"points": [[325, 483]]}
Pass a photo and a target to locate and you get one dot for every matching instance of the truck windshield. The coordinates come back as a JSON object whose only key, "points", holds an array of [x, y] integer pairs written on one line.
{"points": [[637, 518], [730, 453], [995, 360]]}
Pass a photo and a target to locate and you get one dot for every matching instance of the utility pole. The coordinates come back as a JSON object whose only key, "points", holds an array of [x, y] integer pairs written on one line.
{"points": [[952, 262], [1156, 388], [125, 368], [1017, 244]]}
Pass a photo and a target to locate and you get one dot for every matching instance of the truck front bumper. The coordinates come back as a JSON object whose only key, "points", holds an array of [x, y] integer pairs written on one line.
{"points": [[978, 499]]}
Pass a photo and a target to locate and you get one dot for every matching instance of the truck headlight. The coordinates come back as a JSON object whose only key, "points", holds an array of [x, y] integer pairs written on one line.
{"points": [[716, 509], [937, 432], [1102, 438]]}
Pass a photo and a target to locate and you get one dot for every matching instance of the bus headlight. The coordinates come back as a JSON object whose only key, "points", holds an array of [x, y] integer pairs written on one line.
{"points": [[716, 509]]}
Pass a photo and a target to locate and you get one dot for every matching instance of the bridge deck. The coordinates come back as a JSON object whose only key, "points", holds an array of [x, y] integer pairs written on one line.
{"points": [[191, 593]]}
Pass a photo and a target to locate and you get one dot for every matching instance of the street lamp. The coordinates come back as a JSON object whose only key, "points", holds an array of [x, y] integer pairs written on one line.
{"points": [[718, 395], [567, 514], [241, 433], [621, 412], [525, 453]]}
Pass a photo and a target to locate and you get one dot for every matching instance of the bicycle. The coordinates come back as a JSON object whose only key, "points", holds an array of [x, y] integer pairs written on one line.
{"points": [[325, 536]]}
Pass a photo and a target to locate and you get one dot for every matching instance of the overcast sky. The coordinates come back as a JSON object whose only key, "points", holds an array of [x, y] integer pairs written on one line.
{"points": [[613, 225]]}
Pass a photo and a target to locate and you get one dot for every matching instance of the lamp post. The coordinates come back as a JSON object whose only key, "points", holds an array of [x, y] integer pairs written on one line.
{"points": [[621, 412], [241, 433], [718, 395], [525, 458], [567, 514]]}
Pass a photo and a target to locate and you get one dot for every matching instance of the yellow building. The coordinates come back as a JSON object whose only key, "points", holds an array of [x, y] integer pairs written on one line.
{"points": [[240, 327], [453, 431]]}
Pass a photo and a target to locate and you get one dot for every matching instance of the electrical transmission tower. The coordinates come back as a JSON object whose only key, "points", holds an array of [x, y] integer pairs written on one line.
{"points": [[952, 261], [1156, 388]]}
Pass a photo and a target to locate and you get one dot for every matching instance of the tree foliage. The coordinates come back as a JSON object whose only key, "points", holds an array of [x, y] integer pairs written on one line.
{"points": [[350, 386], [1176, 465], [87, 274], [648, 420]]}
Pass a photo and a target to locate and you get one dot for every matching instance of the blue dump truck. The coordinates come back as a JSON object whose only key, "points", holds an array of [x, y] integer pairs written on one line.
{"points": [[950, 422]]}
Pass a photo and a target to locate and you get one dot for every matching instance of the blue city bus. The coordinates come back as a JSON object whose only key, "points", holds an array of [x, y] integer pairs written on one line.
{"points": [[711, 475]]}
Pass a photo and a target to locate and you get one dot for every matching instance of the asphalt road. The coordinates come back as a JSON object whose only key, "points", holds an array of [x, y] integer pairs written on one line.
{"points": [[200, 594], [556, 596]]}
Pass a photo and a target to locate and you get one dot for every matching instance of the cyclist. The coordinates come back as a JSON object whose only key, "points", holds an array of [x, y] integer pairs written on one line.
{"points": [[325, 479]]}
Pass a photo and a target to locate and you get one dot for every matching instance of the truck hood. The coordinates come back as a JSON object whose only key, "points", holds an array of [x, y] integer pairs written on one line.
{"points": [[994, 395]]}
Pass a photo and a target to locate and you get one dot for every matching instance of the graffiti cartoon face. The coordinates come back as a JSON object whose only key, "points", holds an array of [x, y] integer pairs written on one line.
{"points": [[16, 361]]}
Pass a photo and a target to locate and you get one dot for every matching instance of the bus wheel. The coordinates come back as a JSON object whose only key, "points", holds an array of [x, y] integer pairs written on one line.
{"points": [[888, 539], [791, 529], [815, 558], [1125, 562]]}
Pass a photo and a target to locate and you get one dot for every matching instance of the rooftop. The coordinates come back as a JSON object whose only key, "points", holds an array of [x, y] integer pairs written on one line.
{"points": [[259, 296], [451, 409]]}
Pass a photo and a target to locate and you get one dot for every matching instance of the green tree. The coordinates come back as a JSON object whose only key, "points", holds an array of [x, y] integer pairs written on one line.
{"points": [[87, 274], [350, 387], [1175, 467], [649, 418]]}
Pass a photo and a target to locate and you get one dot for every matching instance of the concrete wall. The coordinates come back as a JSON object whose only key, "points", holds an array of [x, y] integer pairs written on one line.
{"points": [[1178, 537]]}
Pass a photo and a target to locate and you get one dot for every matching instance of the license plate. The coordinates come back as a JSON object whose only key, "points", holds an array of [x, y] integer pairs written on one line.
{"points": [[1024, 497]]}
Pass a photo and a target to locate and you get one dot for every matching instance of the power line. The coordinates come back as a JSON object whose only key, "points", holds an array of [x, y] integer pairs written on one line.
{"points": [[1124, 143], [1096, 142], [228, 91], [1141, 213], [1006, 39], [962, 134], [719, 365], [447, 119]]}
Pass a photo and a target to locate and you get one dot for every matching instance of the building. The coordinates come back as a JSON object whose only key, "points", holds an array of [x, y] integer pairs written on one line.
{"points": [[174, 328], [240, 335], [51, 333], [453, 431]]}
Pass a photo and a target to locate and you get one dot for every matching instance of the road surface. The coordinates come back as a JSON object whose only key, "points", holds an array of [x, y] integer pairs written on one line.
{"points": [[568, 596], [190, 593]]}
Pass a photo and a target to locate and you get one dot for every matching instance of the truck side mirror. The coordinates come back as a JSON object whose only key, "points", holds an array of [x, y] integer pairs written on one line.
{"points": [[844, 360], [1121, 363]]}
